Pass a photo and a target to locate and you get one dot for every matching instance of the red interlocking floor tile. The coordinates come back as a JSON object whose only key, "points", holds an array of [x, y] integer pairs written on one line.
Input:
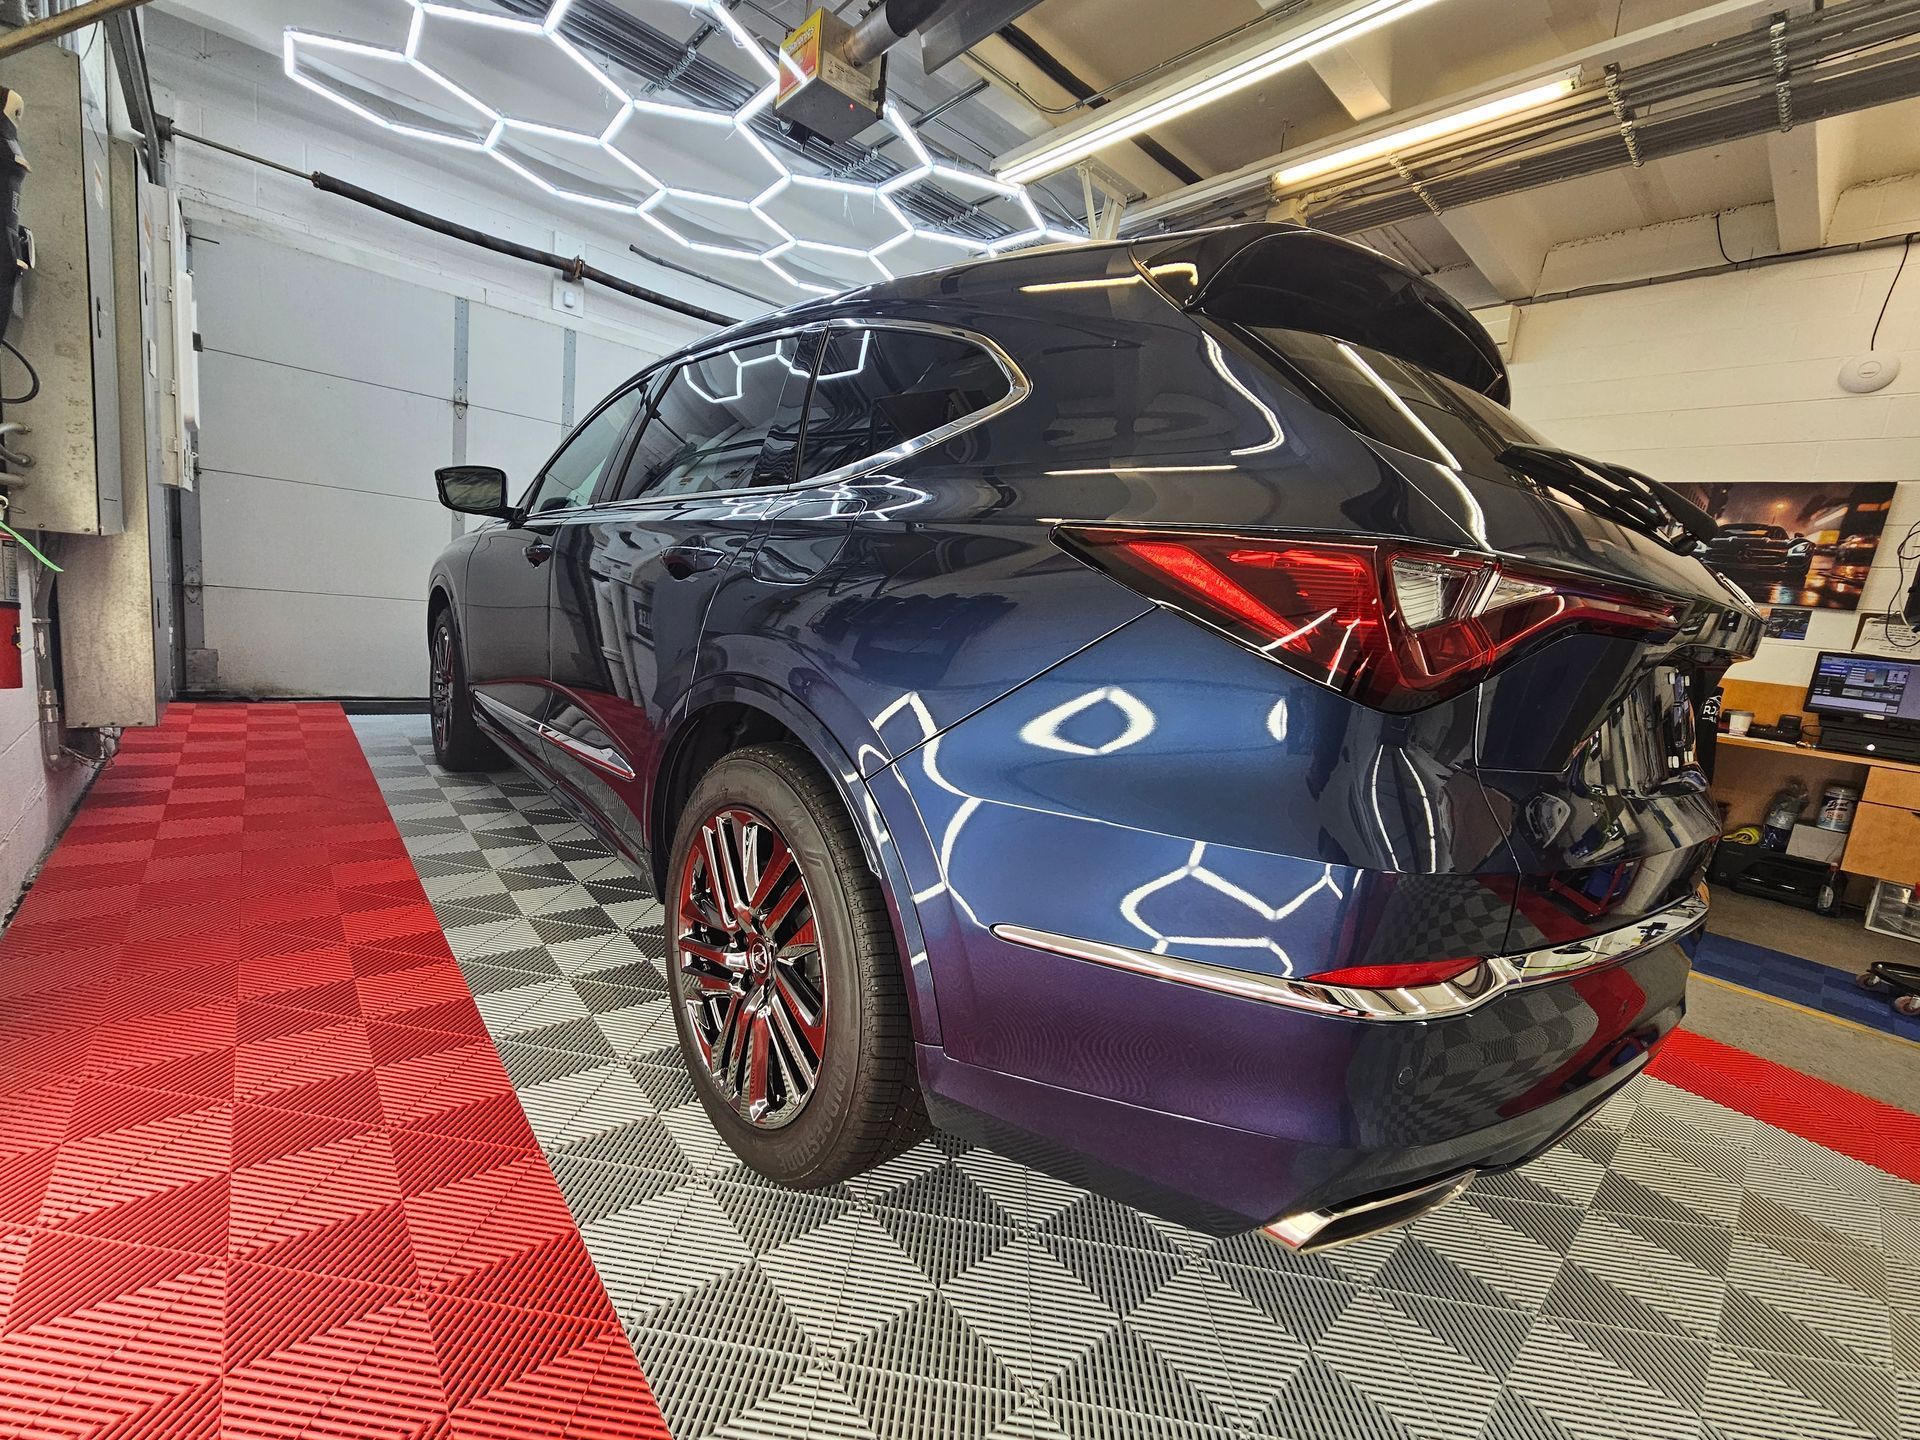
{"points": [[1858, 1125], [261, 1170]]}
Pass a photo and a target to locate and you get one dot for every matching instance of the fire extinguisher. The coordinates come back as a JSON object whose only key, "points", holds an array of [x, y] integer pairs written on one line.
{"points": [[12, 641]]}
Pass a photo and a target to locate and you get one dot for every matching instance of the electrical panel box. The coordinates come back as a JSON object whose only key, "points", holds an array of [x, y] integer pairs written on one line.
{"points": [[115, 657], [66, 325]]}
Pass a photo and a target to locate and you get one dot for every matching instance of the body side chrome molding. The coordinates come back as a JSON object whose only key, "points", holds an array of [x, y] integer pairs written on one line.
{"points": [[600, 757], [1493, 976]]}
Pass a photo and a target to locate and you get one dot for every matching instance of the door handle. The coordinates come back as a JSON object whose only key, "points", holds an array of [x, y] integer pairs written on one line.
{"points": [[539, 552], [686, 561]]}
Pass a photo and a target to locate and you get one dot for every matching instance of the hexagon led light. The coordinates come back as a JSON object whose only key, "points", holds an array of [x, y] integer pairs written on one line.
{"points": [[697, 178]]}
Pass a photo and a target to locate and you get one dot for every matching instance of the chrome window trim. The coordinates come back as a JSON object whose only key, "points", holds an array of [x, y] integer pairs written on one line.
{"points": [[1496, 975], [607, 759], [641, 381], [1019, 387]]}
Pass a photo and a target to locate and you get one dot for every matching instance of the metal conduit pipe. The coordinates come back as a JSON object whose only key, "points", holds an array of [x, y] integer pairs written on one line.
{"points": [[1811, 41], [1475, 170], [887, 24], [1815, 98], [573, 268], [1884, 75]]}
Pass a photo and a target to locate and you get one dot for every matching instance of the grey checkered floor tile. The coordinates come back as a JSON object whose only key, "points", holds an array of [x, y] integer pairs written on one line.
{"points": [[1675, 1270]]}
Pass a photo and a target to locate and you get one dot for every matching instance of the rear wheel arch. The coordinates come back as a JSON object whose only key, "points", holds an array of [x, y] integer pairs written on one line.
{"points": [[698, 742], [732, 714]]}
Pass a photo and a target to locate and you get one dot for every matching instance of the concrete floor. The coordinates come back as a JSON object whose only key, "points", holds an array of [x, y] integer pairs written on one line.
{"points": [[1883, 1066]]}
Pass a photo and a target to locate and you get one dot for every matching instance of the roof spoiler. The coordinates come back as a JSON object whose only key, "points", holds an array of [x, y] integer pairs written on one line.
{"points": [[1291, 278]]}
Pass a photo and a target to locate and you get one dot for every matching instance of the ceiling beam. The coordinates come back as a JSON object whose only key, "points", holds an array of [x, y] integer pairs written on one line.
{"points": [[1360, 75], [1505, 241], [1810, 165]]}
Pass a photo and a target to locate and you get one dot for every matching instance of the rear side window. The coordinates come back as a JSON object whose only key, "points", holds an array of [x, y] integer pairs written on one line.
{"points": [[880, 388], [712, 420], [1399, 403]]}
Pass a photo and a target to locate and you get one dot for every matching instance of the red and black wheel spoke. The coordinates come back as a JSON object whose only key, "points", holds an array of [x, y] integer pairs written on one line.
{"points": [[442, 685], [754, 987]]}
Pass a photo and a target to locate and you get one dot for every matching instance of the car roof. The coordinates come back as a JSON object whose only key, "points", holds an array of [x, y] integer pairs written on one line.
{"points": [[1286, 259]]}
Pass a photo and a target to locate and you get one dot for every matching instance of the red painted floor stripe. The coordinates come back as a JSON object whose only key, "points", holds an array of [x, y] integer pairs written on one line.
{"points": [[261, 1170], [1867, 1129]]}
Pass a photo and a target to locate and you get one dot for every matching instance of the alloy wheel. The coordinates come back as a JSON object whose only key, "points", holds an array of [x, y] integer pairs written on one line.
{"points": [[755, 987], [442, 686]]}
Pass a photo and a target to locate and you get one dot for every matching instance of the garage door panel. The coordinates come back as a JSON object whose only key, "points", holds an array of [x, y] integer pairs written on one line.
{"points": [[270, 303], [601, 366], [350, 542], [280, 643], [516, 444], [260, 418], [515, 364]]}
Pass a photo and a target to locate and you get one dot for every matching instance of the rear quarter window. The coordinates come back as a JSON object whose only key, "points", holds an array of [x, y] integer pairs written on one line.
{"points": [[1397, 402], [876, 389]]}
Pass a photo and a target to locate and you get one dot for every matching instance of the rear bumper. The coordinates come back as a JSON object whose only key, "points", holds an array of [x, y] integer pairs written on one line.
{"points": [[1169, 796], [1238, 1113]]}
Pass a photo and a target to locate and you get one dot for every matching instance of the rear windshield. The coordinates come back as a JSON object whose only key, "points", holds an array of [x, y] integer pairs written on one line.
{"points": [[1397, 402]]}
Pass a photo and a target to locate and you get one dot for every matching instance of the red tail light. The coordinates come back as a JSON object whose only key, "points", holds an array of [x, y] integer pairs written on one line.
{"points": [[1394, 626]]}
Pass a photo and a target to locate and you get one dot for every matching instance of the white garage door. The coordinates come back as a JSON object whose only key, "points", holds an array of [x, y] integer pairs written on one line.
{"points": [[328, 402]]}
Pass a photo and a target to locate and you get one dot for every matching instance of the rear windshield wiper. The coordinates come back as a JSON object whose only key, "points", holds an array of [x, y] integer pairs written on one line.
{"points": [[1635, 500]]}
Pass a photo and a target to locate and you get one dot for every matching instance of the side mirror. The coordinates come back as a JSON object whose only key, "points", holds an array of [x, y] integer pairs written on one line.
{"points": [[474, 490]]}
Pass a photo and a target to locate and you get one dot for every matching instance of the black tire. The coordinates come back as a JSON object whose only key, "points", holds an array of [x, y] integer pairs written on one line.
{"points": [[864, 1105], [458, 744]]}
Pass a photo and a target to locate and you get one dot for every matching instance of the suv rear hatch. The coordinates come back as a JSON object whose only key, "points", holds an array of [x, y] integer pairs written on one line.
{"points": [[1585, 746]]}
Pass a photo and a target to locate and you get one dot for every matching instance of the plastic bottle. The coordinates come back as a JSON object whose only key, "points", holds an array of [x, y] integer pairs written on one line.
{"points": [[1783, 812]]}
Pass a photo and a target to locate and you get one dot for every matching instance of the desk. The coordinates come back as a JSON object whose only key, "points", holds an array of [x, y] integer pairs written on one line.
{"points": [[1884, 842]]}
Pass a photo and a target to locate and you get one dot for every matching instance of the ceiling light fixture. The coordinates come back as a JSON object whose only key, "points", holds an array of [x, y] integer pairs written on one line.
{"points": [[1228, 75], [1407, 137], [354, 75]]}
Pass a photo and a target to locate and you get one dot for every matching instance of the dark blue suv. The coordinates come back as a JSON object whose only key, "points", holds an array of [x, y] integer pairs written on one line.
{"points": [[1147, 706]]}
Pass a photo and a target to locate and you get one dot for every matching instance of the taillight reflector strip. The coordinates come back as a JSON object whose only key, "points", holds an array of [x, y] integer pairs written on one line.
{"points": [[1411, 976]]}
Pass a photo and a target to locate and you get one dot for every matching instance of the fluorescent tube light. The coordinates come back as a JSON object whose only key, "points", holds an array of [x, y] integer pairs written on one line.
{"points": [[1407, 137], [1124, 119]]}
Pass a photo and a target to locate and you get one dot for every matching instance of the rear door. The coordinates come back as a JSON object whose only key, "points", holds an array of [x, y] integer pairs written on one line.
{"points": [[508, 589], [632, 580]]}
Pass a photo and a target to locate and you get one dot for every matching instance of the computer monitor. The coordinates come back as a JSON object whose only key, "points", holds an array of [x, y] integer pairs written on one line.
{"points": [[1869, 688]]}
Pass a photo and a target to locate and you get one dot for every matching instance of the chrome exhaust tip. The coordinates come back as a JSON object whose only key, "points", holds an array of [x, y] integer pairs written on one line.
{"points": [[1312, 1231]]}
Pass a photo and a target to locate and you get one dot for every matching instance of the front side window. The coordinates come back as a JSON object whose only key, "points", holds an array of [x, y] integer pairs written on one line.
{"points": [[880, 388], [712, 420], [573, 475]]}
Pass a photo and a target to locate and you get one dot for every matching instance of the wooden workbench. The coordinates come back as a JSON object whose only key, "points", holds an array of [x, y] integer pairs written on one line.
{"points": [[1884, 842]]}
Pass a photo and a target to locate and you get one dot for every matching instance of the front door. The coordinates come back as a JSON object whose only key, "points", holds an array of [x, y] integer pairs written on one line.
{"points": [[509, 578], [632, 585]]}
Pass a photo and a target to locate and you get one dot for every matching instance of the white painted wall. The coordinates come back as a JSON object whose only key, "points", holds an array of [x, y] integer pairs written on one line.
{"points": [[1735, 377]]}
